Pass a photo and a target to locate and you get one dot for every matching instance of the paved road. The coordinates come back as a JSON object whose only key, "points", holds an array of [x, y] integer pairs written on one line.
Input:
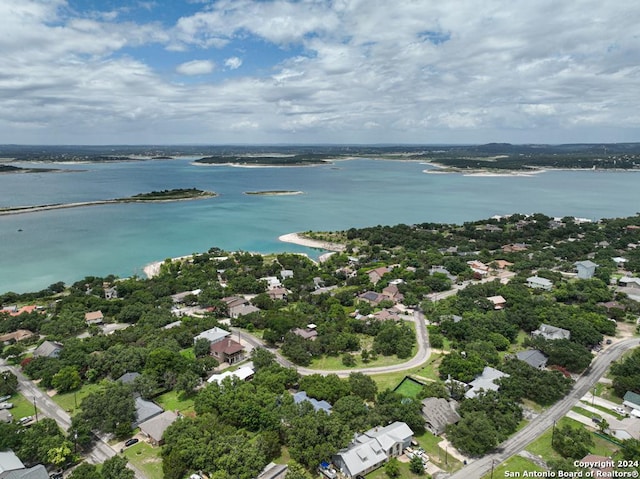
{"points": [[47, 407], [544, 421], [424, 351]]}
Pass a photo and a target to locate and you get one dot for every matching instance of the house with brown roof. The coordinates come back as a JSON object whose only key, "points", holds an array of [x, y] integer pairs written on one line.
{"points": [[19, 335], [278, 293], [387, 315], [307, 333], [93, 317], [376, 275], [227, 351], [372, 297], [498, 302], [393, 293]]}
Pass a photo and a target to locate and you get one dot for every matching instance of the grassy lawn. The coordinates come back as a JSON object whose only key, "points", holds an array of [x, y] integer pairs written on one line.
{"points": [[437, 455], [171, 402], [145, 458], [188, 353], [604, 409], [21, 407], [409, 388], [67, 401], [515, 464], [404, 473]]}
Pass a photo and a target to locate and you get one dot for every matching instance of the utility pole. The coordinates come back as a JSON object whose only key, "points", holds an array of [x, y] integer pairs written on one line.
{"points": [[35, 409]]}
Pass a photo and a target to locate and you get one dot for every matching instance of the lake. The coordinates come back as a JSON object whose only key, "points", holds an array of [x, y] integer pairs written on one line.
{"points": [[38, 249]]}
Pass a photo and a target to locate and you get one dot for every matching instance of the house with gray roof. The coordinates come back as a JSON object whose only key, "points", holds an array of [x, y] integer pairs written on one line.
{"points": [[274, 471], [301, 396], [242, 310], [485, 382], [536, 282], [11, 467], [48, 349], [372, 449], [533, 358], [155, 427], [629, 282], [586, 269], [213, 335], [128, 378], [438, 413], [6, 416], [631, 400], [9, 462], [551, 332], [145, 410]]}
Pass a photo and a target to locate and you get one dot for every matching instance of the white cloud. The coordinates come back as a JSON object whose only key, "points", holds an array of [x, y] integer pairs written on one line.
{"points": [[196, 67], [348, 69], [233, 63]]}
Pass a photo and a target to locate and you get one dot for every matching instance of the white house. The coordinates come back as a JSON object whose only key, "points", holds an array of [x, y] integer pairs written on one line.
{"points": [[537, 282], [372, 449], [586, 269]]}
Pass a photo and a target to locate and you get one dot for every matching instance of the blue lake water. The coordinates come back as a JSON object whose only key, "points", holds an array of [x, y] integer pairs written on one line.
{"points": [[68, 244]]}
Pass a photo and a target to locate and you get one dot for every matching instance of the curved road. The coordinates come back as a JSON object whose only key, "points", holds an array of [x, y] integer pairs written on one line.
{"points": [[544, 421], [48, 408], [424, 351]]}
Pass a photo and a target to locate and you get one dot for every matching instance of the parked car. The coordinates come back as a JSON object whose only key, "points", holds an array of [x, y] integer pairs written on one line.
{"points": [[596, 419], [131, 442], [6, 405], [620, 410], [25, 419], [5, 398]]}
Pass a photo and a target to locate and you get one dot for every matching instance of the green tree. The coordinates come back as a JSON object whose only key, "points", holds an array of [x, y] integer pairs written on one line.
{"points": [[416, 466], [8, 383], [116, 468], [363, 386], [392, 467], [110, 410], [85, 471], [67, 379], [572, 442], [297, 471]]}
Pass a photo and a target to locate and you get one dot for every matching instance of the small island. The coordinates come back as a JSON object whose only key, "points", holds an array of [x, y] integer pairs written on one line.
{"points": [[179, 194], [170, 195], [273, 193]]}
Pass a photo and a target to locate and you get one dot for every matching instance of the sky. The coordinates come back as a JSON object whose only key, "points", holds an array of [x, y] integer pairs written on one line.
{"points": [[319, 71]]}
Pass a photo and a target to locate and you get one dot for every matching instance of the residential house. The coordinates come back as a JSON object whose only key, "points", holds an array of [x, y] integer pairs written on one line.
{"points": [[272, 282], [213, 335], [274, 471], [551, 332], [286, 274], [111, 292], [278, 293], [243, 310], [48, 349], [15, 311], [175, 324], [438, 413], [632, 400], [479, 268], [629, 282], [307, 333], [443, 270], [502, 263], [376, 275], [128, 378], [323, 405], [485, 382], [145, 410], [372, 449], [238, 306], [586, 269], [227, 351], [19, 335], [498, 302], [244, 373], [372, 298], [386, 315], [11, 467], [537, 282], [155, 427], [93, 317], [533, 358], [180, 297], [619, 261], [514, 247], [393, 293]]}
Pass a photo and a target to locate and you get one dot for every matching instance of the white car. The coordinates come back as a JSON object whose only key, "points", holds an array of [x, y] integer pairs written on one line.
{"points": [[6, 405], [620, 410]]}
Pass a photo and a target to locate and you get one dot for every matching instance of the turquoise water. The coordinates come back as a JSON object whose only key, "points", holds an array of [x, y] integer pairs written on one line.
{"points": [[66, 245]]}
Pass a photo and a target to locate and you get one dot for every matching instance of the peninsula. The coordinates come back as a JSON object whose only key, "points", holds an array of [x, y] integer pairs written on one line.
{"points": [[180, 194]]}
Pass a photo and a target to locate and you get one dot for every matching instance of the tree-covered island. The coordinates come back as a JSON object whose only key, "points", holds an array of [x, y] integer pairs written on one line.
{"points": [[519, 309]]}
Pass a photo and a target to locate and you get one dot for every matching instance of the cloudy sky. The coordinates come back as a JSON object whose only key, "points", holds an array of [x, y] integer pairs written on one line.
{"points": [[319, 71]]}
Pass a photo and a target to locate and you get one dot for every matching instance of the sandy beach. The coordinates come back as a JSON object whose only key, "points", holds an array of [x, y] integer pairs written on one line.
{"points": [[297, 238], [153, 269]]}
